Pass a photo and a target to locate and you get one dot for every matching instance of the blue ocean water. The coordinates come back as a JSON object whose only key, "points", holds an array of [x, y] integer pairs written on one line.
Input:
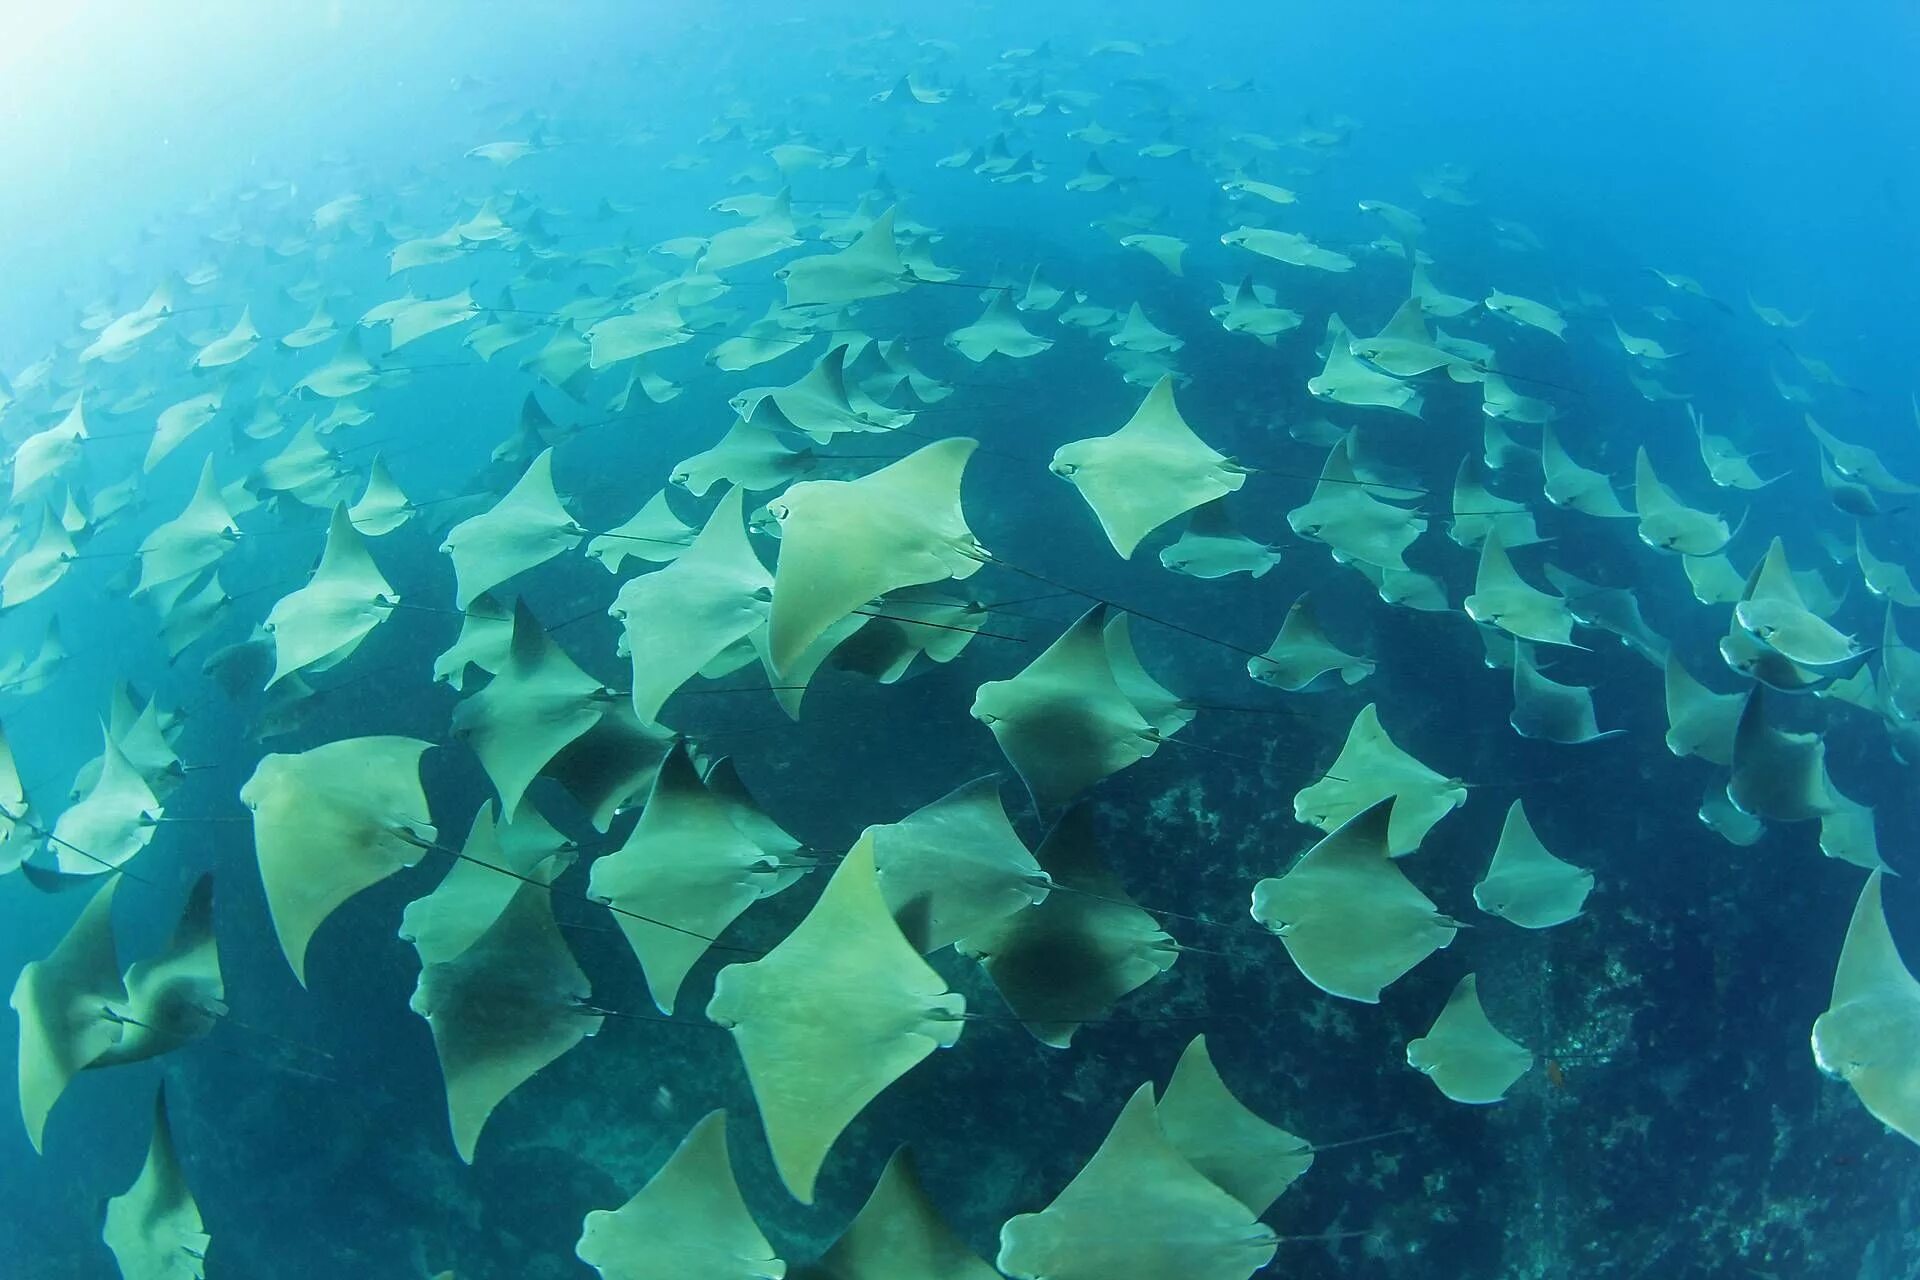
{"points": [[1674, 1120]]}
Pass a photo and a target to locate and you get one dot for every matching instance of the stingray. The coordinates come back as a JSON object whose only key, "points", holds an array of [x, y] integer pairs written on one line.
{"points": [[1244, 186], [1435, 301], [1406, 349], [1163, 249], [322, 623], [347, 374], [1246, 1157], [154, 1227], [177, 423], [330, 822], [473, 893], [955, 867], [175, 996], [1525, 883], [23, 675], [305, 468], [1726, 465], [1888, 580], [1346, 379], [36, 570], [1574, 487], [192, 541], [998, 332], [829, 1018], [1857, 462], [1848, 833], [1137, 1211], [319, 328], [112, 822], [689, 1222], [47, 454], [1465, 1055], [654, 534], [537, 703], [1139, 334], [1151, 470], [1719, 815], [680, 618], [1288, 247], [819, 405], [1668, 525], [898, 1235], [1900, 671], [1548, 711], [870, 267], [1478, 511], [1869, 1036], [903, 628], [117, 339], [649, 325], [769, 233], [610, 766], [1714, 579], [382, 507], [1039, 295], [1065, 960], [1499, 399], [526, 528], [1245, 311], [63, 1001], [1352, 520], [749, 456], [1641, 348], [1371, 768], [507, 1005], [1778, 775], [1064, 721], [1302, 659], [1847, 495], [1526, 311], [1502, 598], [845, 542], [1611, 609], [1211, 547], [1743, 652], [685, 872], [486, 631], [1700, 722], [1348, 916], [1773, 612]]}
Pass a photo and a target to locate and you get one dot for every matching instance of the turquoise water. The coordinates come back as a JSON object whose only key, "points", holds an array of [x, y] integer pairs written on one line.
{"points": [[1733, 187]]}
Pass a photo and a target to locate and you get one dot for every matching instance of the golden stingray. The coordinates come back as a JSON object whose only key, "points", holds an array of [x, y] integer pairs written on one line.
{"points": [[330, 822], [116, 818], [685, 872], [1370, 768], [998, 332], [834, 1014], [63, 1002], [320, 624], [1137, 1211], [689, 1222], [1064, 961], [1870, 1034], [1348, 916], [1211, 547], [1064, 721], [1350, 515], [1347, 379], [527, 527], [679, 619], [955, 866], [154, 1227], [1548, 711], [609, 768], [1778, 775], [750, 456], [654, 534], [1246, 1157], [502, 1009], [870, 267], [192, 541], [1667, 524], [473, 893], [898, 1235], [535, 705], [1151, 470], [1525, 883], [1700, 722], [1303, 659], [1465, 1055], [1502, 598], [845, 542]]}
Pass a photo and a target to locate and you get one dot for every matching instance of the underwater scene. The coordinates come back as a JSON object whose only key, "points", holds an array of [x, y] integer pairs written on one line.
{"points": [[878, 641]]}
